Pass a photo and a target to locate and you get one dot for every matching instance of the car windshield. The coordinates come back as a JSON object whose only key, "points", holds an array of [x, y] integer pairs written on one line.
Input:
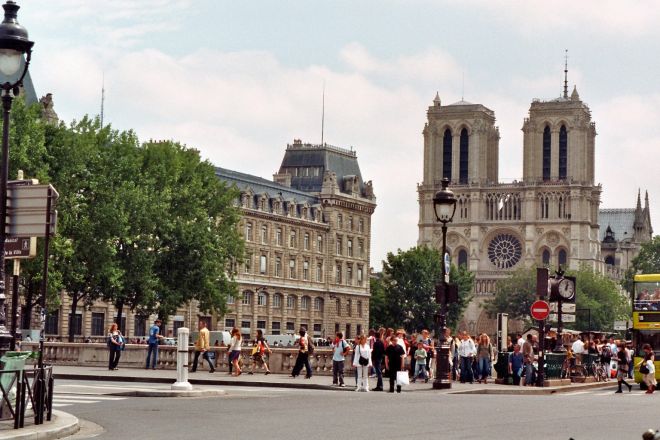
{"points": [[647, 296]]}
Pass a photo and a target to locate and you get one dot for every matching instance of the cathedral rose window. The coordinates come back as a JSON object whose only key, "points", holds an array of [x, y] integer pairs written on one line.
{"points": [[504, 251]]}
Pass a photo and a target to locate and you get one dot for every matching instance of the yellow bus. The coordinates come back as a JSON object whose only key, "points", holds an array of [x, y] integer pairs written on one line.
{"points": [[646, 319]]}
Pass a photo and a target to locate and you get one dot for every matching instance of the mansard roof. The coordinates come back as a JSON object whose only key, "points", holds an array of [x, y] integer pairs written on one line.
{"points": [[259, 185], [620, 221]]}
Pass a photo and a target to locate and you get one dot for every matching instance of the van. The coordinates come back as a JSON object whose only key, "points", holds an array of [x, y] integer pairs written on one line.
{"points": [[216, 338], [281, 340]]}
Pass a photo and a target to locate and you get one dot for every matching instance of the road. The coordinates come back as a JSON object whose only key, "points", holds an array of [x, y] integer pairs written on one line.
{"points": [[260, 413]]}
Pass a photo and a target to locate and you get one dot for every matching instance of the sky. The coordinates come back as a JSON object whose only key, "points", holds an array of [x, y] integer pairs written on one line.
{"points": [[238, 80]]}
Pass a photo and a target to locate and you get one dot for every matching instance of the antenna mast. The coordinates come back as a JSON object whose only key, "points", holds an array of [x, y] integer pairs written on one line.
{"points": [[102, 98], [323, 113], [566, 74]]}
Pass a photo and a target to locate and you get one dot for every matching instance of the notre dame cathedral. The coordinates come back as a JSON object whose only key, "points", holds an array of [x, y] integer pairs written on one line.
{"points": [[551, 216]]}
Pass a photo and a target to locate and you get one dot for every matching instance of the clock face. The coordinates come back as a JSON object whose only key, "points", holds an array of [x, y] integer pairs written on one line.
{"points": [[566, 288]]}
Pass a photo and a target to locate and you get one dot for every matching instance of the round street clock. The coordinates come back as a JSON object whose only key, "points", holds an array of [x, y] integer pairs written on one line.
{"points": [[566, 288]]}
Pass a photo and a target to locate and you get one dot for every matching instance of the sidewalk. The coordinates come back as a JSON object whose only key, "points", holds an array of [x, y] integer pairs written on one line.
{"points": [[62, 425], [283, 381]]}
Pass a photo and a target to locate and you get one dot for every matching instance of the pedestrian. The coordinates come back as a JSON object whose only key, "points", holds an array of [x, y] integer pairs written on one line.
{"points": [[578, 349], [509, 344], [394, 360], [520, 340], [377, 354], [484, 357], [606, 359], [647, 368], [153, 341], [362, 363], [456, 341], [202, 346], [420, 362], [259, 353], [234, 350], [303, 356], [115, 345], [622, 356], [340, 349], [429, 346], [466, 352], [370, 340], [516, 363], [528, 359]]}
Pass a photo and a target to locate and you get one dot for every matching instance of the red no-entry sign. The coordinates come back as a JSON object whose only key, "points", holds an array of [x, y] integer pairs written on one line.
{"points": [[540, 310]]}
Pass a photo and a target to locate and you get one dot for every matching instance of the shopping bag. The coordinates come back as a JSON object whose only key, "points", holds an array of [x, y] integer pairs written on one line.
{"points": [[402, 378]]}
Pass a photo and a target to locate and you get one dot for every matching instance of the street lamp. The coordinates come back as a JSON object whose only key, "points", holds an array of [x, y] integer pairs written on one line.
{"points": [[444, 205], [14, 44]]}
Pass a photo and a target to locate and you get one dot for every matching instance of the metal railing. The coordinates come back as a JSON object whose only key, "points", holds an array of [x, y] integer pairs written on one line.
{"points": [[23, 388]]}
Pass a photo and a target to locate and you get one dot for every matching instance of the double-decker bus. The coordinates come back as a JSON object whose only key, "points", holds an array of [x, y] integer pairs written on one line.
{"points": [[646, 319]]}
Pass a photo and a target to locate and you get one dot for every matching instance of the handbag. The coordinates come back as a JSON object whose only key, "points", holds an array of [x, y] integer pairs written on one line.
{"points": [[402, 378], [362, 360], [644, 369]]}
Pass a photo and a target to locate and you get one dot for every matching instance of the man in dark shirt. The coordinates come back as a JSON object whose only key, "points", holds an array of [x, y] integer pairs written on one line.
{"points": [[394, 356], [377, 353]]}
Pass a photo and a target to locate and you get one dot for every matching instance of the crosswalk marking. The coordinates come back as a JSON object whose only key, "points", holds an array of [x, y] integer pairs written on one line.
{"points": [[64, 400]]}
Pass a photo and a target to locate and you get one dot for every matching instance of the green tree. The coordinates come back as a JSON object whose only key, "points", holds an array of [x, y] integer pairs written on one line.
{"points": [[465, 281], [514, 295], [378, 311], [646, 262], [601, 297]]}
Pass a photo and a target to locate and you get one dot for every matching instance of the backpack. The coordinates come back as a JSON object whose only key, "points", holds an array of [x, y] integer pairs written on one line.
{"points": [[310, 345]]}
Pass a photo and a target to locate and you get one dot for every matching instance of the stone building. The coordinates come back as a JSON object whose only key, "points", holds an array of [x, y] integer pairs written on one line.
{"points": [[307, 241], [548, 217]]}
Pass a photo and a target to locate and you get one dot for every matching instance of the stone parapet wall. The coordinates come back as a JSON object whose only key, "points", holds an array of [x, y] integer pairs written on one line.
{"points": [[280, 361]]}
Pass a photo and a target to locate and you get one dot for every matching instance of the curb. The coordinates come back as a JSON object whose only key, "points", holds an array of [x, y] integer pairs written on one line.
{"points": [[534, 391], [220, 382], [169, 393], [62, 425]]}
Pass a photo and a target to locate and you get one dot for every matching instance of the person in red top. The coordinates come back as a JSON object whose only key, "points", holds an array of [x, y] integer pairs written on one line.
{"points": [[303, 356]]}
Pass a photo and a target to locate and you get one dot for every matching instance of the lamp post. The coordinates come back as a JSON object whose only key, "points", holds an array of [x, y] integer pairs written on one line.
{"points": [[444, 205], [14, 44]]}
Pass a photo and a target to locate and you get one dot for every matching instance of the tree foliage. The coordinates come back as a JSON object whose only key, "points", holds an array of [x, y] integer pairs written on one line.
{"points": [[514, 295], [405, 294], [646, 262]]}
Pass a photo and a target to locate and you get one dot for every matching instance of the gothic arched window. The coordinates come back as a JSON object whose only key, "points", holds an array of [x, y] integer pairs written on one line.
{"points": [[561, 258], [463, 168], [462, 257], [545, 258], [609, 260], [563, 152], [546, 153], [446, 155]]}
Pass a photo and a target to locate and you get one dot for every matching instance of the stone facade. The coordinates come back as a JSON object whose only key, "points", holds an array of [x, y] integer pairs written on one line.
{"points": [[548, 217], [307, 247]]}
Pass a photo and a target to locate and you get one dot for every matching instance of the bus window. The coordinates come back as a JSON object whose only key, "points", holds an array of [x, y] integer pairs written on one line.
{"points": [[647, 337], [647, 296]]}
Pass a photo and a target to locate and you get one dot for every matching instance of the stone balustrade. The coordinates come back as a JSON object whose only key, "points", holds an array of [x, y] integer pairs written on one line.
{"points": [[281, 360]]}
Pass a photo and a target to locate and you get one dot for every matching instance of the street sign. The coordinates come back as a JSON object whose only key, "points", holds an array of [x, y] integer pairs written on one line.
{"points": [[568, 317], [447, 267], [27, 207], [565, 307], [552, 317], [620, 325], [20, 247], [540, 310]]}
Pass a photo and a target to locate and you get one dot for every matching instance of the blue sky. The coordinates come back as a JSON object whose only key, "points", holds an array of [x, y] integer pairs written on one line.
{"points": [[239, 80]]}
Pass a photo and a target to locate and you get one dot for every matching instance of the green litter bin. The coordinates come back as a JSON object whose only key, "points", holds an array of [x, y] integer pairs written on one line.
{"points": [[13, 360]]}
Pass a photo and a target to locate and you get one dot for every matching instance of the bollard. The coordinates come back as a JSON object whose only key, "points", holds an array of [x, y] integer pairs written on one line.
{"points": [[182, 361]]}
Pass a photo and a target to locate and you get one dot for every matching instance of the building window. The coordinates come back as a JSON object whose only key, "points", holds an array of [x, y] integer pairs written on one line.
{"points": [[338, 306], [248, 231], [230, 323], [277, 301], [349, 247], [306, 241], [278, 266], [248, 263], [563, 152], [264, 234], [463, 156], [290, 302], [462, 257], [349, 274], [319, 272], [318, 328], [546, 153], [292, 239], [339, 244], [361, 248], [545, 207], [446, 154], [76, 323], [278, 236], [318, 304], [319, 243], [276, 328], [336, 328], [360, 276], [338, 274], [262, 298], [305, 270], [290, 326], [176, 325], [561, 258], [292, 268], [359, 308], [340, 221], [230, 299], [262, 264], [358, 329], [609, 260], [304, 303], [347, 335], [361, 225], [349, 307], [140, 325], [53, 323], [545, 258], [350, 222], [98, 324], [247, 298], [245, 324], [261, 325]]}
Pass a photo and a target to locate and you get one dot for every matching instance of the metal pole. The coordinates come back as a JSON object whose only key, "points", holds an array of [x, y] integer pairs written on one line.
{"points": [[442, 351], [14, 302], [7, 99], [44, 288]]}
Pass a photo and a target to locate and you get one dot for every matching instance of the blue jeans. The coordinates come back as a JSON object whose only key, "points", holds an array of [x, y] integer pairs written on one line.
{"points": [[483, 366], [420, 367], [153, 349], [466, 369], [378, 369], [529, 373]]}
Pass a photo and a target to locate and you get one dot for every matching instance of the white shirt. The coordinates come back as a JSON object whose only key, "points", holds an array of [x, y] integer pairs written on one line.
{"points": [[521, 341], [361, 351], [467, 348], [235, 344], [578, 347]]}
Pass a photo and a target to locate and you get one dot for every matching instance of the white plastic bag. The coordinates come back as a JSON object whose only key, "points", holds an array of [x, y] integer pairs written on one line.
{"points": [[402, 378]]}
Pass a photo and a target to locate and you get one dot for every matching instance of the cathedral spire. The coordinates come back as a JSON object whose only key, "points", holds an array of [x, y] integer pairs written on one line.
{"points": [[639, 199], [646, 199], [436, 100], [566, 74]]}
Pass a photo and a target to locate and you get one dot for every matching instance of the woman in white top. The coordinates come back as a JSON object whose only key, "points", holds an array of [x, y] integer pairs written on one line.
{"points": [[362, 362], [235, 351]]}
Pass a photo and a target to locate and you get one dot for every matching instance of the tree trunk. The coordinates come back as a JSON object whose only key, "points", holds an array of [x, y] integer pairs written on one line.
{"points": [[26, 321], [119, 305], [72, 318]]}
